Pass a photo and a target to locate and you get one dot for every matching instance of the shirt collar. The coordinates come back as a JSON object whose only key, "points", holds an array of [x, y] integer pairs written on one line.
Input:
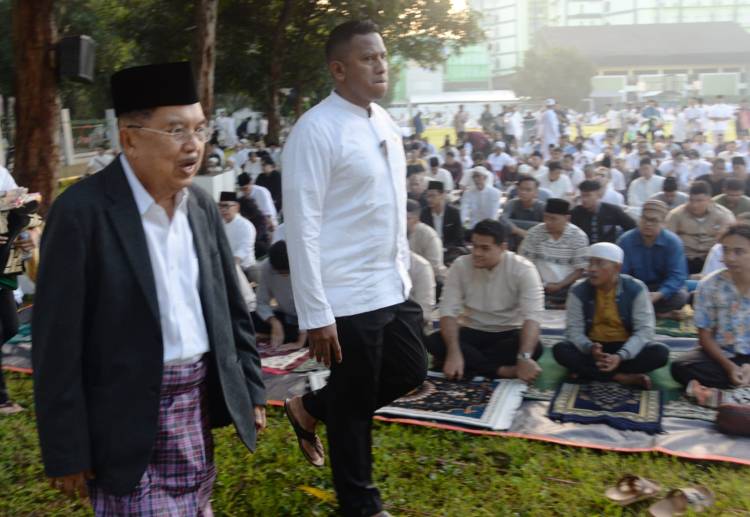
{"points": [[338, 100], [144, 200]]}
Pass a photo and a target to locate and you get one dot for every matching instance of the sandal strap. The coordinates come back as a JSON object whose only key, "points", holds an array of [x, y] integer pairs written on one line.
{"points": [[300, 431]]}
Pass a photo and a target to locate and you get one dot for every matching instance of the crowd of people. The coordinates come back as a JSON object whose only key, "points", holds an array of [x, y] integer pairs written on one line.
{"points": [[376, 251]]}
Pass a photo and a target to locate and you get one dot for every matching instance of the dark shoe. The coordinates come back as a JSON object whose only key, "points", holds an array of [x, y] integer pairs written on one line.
{"points": [[303, 435]]}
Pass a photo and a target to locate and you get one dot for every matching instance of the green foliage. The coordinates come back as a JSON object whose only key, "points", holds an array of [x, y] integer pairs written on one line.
{"points": [[561, 73], [420, 472]]}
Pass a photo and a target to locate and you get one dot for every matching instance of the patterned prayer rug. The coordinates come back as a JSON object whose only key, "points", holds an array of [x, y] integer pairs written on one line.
{"points": [[17, 351], [284, 362], [485, 404], [622, 407]]}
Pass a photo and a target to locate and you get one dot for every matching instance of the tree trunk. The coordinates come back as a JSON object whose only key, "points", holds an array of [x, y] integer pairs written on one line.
{"points": [[278, 49], [37, 139], [204, 57]]}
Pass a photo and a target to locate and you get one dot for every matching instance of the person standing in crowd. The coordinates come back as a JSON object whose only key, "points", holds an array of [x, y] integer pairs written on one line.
{"points": [[270, 179], [460, 119], [656, 257], [720, 114], [487, 119], [124, 389], [442, 217], [722, 316], [698, 223], [549, 128], [610, 324], [558, 250], [349, 263], [602, 222], [499, 296], [644, 186]]}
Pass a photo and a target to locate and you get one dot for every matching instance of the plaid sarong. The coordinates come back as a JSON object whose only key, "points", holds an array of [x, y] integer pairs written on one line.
{"points": [[180, 475]]}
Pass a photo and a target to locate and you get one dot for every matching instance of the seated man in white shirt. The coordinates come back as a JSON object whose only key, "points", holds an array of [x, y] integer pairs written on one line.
{"points": [[559, 184], [262, 198], [424, 240], [274, 283], [437, 173], [669, 194], [609, 195], [644, 186], [499, 159], [422, 289], [482, 200], [240, 231], [499, 297]]}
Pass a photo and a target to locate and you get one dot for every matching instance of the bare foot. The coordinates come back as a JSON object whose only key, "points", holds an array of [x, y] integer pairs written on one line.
{"points": [[308, 423], [703, 395], [633, 379]]}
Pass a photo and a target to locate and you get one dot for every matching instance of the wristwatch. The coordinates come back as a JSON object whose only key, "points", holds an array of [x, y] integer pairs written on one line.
{"points": [[524, 355]]}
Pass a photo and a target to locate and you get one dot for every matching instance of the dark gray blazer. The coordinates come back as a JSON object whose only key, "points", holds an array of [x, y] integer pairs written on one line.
{"points": [[97, 346]]}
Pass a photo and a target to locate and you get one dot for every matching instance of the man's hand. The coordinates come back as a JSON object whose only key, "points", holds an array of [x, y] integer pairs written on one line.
{"points": [[453, 368], [609, 363], [324, 344], [277, 332], [260, 418], [528, 370], [597, 352], [736, 375], [73, 485], [552, 287], [24, 244], [655, 297]]}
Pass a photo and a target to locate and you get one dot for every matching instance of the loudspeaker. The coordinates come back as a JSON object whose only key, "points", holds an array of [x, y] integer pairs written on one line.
{"points": [[76, 56]]}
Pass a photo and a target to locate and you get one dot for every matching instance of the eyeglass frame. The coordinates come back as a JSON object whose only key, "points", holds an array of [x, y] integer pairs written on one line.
{"points": [[187, 135]]}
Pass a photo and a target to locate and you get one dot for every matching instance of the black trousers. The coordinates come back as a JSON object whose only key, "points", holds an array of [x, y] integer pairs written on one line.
{"points": [[696, 364], [674, 303], [291, 331], [484, 352], [383, 359], [653, 356], [8, 329]]}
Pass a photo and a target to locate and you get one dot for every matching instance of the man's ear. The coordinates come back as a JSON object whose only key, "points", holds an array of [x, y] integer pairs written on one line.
{"points": [[337, 70]]}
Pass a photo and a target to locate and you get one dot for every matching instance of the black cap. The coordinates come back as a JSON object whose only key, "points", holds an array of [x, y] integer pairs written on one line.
{"points": [[243, 179], [227, 196], [557, 206], [436, 185], [152, 86], [267, 160]]}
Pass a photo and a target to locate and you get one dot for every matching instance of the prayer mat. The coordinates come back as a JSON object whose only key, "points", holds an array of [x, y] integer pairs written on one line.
{"points": [[611, 403], [17, 351], [266, 349], [678, 328], [311, 365], [282, 364], [477, 403]]}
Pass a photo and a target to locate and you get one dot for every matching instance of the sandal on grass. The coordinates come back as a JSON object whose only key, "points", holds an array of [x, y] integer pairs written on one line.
{"points": [[680, 500], [303, 435], [10, 408], [630, 489]]}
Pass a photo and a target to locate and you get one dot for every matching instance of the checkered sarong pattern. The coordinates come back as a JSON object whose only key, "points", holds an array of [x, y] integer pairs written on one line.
{"points": [[180, 475]]}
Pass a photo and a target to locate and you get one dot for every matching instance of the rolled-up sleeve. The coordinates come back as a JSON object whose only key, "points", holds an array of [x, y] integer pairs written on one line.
{"points": [[307, 170]]}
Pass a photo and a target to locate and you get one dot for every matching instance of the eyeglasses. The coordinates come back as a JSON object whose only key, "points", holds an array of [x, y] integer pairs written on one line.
{"points": [[650, 220], [178, 134], [226, 205]]}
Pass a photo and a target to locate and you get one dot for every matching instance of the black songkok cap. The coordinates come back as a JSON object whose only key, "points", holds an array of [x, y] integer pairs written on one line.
{"points": [[557, 206], [228, 196], [243, 179], [436, 185], [151, 86]]}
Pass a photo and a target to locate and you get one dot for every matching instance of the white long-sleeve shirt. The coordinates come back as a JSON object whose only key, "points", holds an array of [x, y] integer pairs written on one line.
{"points": [[477, 205], [345, 212], [174, 264], [641, 189], [262, 197], [241, 235]]}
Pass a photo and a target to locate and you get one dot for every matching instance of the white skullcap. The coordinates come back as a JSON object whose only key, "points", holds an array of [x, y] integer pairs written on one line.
{"points": [[500, 144], [550, 102], [606, 251]]}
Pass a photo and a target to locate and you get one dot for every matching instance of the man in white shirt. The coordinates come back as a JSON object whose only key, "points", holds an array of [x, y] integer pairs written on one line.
{"points": [[535, 166], [556, 182], [549, 128], [499, 159], [645, 186], [482, 201], [720, 114], [252, 165], [240, 231], [6, 180], [513, 125], [437, 173], [345, 216], [262, 198]]}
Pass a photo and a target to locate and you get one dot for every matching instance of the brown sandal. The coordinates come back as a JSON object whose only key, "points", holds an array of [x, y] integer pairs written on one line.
{"points": [[303, 435], [680, 500], [631, 489]]}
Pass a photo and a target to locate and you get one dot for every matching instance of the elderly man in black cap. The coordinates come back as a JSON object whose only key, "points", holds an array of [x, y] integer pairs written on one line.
{"points": [[558, 250], [442, 217], [142, 341]]}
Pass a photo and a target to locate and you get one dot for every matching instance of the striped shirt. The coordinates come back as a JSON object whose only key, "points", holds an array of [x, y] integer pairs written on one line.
{"points": [[555, 259]]}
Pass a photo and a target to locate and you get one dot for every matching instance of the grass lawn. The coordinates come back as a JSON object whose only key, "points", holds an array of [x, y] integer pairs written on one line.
{"points": [[421, 472]]}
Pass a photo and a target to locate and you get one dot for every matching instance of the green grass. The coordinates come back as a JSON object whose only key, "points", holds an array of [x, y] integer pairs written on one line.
{"points": [[420, 472]]}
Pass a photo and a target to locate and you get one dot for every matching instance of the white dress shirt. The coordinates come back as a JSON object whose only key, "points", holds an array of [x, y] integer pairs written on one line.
{"points": [[6, 180], [561, 188], [443, 176], [477, 205], [345, 212], [241, 235], [641, 189], [174, 264], [262, 197], [612, 197], [499, 161]]}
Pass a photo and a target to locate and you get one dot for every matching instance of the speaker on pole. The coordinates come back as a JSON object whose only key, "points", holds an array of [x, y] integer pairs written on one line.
{"points": [[76, 56]]}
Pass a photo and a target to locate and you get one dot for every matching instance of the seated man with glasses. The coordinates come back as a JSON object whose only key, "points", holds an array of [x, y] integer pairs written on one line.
{"points": [[655, 256]]}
